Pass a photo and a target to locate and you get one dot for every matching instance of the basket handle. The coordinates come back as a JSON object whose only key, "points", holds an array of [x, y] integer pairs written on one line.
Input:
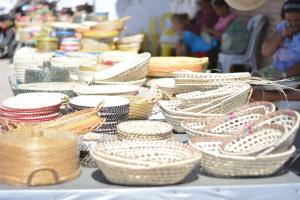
{"points": [[99, 106], [30, 178]]}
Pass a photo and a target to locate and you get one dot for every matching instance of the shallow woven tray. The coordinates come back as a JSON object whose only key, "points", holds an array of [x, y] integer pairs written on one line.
{"points": [[145, 163]]}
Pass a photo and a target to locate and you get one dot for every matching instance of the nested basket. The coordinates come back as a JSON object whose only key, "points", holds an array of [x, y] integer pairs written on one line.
{"points": [[254, 142], [144, 130], [223, 126], [140, 82], [217, 164], [38, 157], [145, 163]]}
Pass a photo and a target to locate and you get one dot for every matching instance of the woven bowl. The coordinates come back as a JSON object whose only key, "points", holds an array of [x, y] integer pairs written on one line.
{"points": [[140, 107], [217, 164], [245, 5], [145, 163]]}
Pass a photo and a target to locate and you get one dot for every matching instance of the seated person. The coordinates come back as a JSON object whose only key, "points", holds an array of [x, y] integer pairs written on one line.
{"points": [[205, 16], [284, 45], [202, 43]]}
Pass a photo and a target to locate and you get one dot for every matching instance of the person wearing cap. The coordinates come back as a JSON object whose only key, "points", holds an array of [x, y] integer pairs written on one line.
{"points": [[284, 45]]}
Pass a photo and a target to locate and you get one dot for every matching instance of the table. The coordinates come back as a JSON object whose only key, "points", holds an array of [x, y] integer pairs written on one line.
{"points": [[92, 185]]}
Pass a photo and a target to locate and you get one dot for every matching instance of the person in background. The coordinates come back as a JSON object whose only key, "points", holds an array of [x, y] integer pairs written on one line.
{"points": [[284, 45], [209, 38], [205, 16]]}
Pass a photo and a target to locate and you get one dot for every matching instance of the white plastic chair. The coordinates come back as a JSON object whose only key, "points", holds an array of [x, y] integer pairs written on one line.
{"points": [[225, 61]]}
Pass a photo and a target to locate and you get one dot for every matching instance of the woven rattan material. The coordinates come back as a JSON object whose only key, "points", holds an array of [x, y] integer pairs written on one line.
{"points": [[80, 122], [140, 107], [144, 130], [38, 157], [217, 164], [255, 142], [145, 163]]}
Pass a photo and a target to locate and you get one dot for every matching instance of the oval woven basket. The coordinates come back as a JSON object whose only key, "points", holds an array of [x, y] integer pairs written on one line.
{"points": [[145, 163], [220, 165], [254, 143]]}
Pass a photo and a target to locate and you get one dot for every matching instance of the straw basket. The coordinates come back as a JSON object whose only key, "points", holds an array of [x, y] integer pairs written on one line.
{"points": [[217, 164], [79, 122], [145, 163], [165, 66], [38, 157], [140, 107], [144, 130]]}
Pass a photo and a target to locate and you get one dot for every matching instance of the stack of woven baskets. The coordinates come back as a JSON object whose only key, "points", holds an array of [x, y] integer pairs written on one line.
{"points": [[210, 103], [131, 43], [131, 71], [246, 144], [144, 130], [193, 81]]}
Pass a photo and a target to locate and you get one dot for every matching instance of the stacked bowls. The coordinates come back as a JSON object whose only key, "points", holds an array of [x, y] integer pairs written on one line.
{"points": [[31, 108]]}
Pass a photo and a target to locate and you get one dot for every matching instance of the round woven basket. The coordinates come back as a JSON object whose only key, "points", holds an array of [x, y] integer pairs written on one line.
{"points": [[145, 163], [38, 157], [144, 130]]}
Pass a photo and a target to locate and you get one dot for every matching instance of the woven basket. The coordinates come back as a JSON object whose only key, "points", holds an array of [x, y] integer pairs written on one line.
{"points": [[144, 130], [140, 82], [212, 77], [254, 143], [220, 165], [138, 38], [132, 69], [290, 120], [38, 157], [140, 107], [145, 163], [96, 34], [80, 122], [199, 97], [223, 126], [161, 66]]}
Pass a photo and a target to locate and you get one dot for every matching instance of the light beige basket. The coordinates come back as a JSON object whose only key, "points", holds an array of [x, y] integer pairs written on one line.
{"points": [[290, 120], [211, 77], [140, 82], [198, 97], [32, 157], [79, 122], [217, 164], [140, 107], [145, 163], [221, 127], [257, 142], [144, 130]]}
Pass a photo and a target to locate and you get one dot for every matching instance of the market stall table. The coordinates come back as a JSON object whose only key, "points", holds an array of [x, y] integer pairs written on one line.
{"points": [[92, 185]]}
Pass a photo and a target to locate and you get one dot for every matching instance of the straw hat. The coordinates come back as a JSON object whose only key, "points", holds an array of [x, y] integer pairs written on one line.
{"points": [[245, 5]]}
